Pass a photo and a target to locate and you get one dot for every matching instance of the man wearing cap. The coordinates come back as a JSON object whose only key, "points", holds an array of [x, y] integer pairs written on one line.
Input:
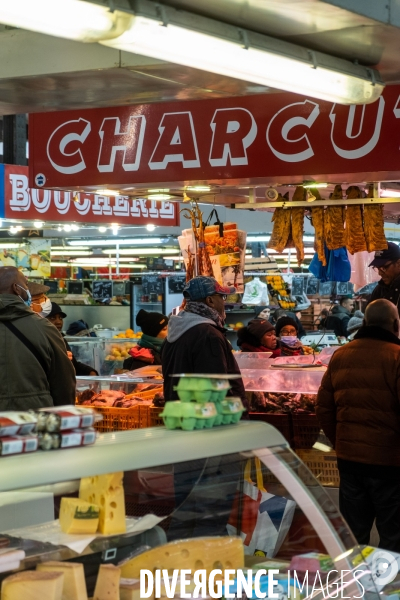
{"points": [[57, 316], [41, 304], [387, 264], [196, 341], [35, 369]]}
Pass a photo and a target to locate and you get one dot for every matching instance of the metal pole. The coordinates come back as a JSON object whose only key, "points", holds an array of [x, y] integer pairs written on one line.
{"points": [[117, 248]]}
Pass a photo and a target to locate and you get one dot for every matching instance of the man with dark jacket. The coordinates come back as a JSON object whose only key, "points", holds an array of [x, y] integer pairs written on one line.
{"points": [[57, 316], [387, 264], [340, 316], [196, 341], [358, 407], [35, 369]]}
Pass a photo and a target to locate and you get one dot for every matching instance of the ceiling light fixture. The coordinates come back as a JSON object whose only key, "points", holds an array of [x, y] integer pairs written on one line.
{"points": [[159, 196], [141, 251], [313, 184], [71, 19], [107, 192], [390, 193], [122, 242], [198, 188], [9, 246], [38, 224], [71, 253], [66, 249], [102, 229], [150, 227], [180, 37], [67, 228]]}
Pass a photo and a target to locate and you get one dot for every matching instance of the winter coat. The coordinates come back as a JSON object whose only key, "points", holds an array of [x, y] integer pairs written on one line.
{"points": [[390, 292], [24, 384], [138, 362], [246, 347], [338, 320], [358, 402], [80, 368], [196, 344]]}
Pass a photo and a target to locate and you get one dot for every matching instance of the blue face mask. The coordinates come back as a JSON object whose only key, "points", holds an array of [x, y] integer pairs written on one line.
{"points": [[28, 300]]}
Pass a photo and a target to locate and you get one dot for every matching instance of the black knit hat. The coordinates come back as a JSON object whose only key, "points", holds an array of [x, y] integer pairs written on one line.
{"points": [[151, 323], [280, 324], [258, 327]]}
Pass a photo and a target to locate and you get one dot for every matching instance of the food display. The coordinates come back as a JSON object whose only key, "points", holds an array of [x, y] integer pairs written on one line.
{"points": [[202, 403], [128, 333], [33, 585], [74, 584], [106, 492], [280, 291], [67, 439], [282, 403], [334, 222], [288, 226], [107, 584], [78, 516]]}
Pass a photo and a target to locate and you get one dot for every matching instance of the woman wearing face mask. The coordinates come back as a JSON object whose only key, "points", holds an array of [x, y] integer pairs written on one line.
{"points": [[40, 304], [259, 336], [287, 331]]}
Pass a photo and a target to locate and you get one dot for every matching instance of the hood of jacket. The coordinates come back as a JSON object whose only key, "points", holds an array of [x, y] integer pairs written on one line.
{"points": [[179, 324], [340, 311], [12, 308]]}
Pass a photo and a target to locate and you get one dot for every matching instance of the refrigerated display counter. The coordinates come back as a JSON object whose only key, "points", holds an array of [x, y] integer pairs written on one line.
{"points": [[183, 486]]}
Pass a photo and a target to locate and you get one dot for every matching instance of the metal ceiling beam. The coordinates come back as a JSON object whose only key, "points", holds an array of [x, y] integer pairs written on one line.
{"points": [[290, 204]]}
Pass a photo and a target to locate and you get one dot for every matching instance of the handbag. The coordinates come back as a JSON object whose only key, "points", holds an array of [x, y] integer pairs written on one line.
{"points": [[261, 519]]}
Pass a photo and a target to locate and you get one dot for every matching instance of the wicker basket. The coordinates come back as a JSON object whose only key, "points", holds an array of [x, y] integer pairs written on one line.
{"points": [[323, 465]]}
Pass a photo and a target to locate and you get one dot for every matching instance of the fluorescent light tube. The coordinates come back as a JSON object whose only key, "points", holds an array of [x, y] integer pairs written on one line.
{"points": [[203, 43], [71, 253], [121, 242], [390, 193], [141, 251], [71, 19]]}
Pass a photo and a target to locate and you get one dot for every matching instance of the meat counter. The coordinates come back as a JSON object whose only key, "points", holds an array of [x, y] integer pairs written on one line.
{"points": [[184, 487]]}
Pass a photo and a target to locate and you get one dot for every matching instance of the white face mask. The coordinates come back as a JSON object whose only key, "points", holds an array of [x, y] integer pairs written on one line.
{"points": [[46, 308]]}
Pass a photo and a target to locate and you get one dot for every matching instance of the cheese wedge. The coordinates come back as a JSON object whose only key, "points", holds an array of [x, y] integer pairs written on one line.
{"points": [[74, 587], [129, 589], [33, 585], [202, 553], [78, 516], [107, 583], [107, 492]]}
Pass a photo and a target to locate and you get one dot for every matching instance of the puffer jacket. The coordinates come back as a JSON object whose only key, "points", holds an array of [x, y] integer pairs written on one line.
{"points": [[24, 385], [358, 402]]}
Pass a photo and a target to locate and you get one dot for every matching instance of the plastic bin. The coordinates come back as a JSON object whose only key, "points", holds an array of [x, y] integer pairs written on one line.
{"points": [[323, 465]]}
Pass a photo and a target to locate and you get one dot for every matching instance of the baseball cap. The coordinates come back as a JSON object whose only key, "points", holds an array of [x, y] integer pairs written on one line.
{"points": [[37, 288], [383, 256], [56, 310], [200, 287]]}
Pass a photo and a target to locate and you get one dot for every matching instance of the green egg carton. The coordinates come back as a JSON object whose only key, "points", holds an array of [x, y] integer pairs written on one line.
{"points": [[202, 389], [229, 410], [189, 415]]}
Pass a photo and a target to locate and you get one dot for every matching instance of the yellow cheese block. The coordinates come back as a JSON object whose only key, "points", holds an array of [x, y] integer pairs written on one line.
{"points": [[129, 589], [74, 587], [107, 583], [78, 516], [108, 493], [33, 585], [202, 553]]}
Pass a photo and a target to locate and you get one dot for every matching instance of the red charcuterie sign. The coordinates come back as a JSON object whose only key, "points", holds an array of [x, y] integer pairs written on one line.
{"points": [[266, 138]]}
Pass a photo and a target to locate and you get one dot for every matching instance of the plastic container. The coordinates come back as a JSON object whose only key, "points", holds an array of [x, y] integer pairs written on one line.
{"points": [[189, 415], [254, 360], [303, 381], [202, 389], [322, 465], [113, 354]]}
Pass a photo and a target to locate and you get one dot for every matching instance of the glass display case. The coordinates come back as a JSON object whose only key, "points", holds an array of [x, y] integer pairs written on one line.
{"points": [[105, 355], [239, 482]]}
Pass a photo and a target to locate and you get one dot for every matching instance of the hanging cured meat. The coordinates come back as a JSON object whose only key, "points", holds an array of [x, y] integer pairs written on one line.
{"points": [[355, 236], [334, 222], [317, 219], [298, 223], [281, 230], [374, 225]]}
